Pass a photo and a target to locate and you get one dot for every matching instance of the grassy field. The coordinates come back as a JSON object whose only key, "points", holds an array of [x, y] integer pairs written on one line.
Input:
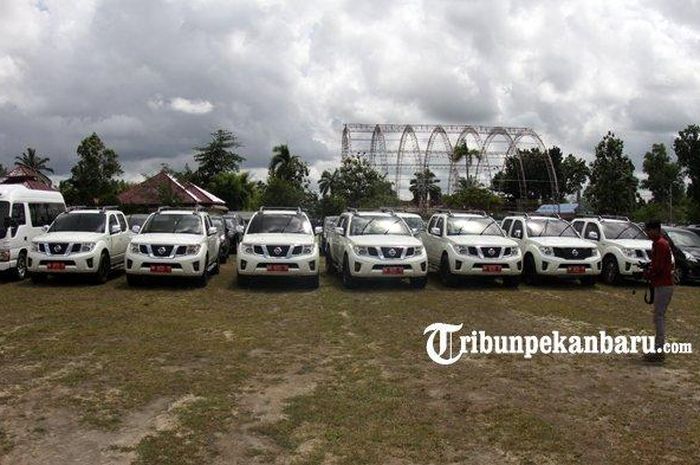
{"points": [[179, 375]]}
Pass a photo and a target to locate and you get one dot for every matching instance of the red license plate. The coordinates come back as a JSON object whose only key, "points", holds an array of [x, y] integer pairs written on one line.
{"points": [[56, 266], [161, 268], [576, 269], [392, 270], [282, 268], [491, 268]]}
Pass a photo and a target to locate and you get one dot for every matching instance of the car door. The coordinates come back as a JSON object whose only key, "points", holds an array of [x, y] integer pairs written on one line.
{"points": [[20, 232], [212, 240], [121, 240], [338, 240], [429, 239], [591, 227], [517, 233]]}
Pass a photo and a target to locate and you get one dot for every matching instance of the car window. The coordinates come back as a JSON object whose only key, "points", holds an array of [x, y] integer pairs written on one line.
{"points": [[79, 222], [591, 227], [578, 226], [18, 214], [173, 224], [517, 226], [622, 230], [113, 222], [122, 222], [506, 225], [343, 222], [457, 226], [549, 227], [283, 223], [363, 225], [440, 224]]}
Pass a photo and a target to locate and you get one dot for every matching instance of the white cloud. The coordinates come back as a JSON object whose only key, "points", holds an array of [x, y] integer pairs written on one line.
{"points": [[193, 107]]}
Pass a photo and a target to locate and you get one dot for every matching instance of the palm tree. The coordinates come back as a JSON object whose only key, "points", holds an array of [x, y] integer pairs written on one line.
{"points": [[462, 152], [424, 188], [328, 181], [32, 160], [284, 165]]}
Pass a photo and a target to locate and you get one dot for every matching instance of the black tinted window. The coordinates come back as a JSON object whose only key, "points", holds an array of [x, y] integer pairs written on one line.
{"points": [[279, 223], [18, 213], [79, 222], [173, 224]]}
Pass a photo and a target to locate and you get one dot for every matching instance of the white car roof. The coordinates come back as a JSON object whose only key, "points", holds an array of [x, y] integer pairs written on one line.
{"points": [[281, 212], [179, 212]]}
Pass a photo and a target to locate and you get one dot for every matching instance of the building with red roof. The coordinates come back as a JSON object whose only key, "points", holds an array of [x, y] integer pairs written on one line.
{"points": [[28, 177], [165, 189]]}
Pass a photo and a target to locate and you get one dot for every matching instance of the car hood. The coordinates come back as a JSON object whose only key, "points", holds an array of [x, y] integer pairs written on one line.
{"points": [[643, 244], [278, 238], [167, 239], [562, 242], [385, 240], [69, 236], [694, 251], [483, 241]]}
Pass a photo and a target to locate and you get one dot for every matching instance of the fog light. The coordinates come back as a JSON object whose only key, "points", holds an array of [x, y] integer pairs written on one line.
{"points": [[195, 265], [312, 265], [423, 265], [129, 264], [358, 267], [458, 264], [89, 262], [520, 266], [244, 263], [545, 265], [628, 266]]}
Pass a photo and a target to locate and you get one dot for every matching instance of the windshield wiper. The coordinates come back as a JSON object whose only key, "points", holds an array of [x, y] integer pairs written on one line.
{"points": [[362, 231], [487, 227], [284, 229], [564, 230], [623, 231], [389, 228]]}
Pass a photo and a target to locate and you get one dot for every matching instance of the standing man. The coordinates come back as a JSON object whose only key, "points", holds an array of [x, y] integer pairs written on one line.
{"points": [[660, 278]]}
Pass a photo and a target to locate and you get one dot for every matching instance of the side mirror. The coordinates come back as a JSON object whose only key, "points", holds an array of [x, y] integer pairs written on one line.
{"points": [[45, 228], [339, 230], [318, 230], [592, 235], [212, 230], [240, 229], [136, 228], [518, 233], [435, 231], [415, 231], [115, 229]]}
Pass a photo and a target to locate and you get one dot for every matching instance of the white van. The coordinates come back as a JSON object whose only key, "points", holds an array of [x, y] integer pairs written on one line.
{"points": [[24, 214]]}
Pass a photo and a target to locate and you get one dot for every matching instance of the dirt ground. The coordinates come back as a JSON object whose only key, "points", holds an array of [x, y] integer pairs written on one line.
{"points": [[172, 374]]}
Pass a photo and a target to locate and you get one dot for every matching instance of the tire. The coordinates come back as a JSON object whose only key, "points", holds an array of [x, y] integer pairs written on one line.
{"points": [[103, 269], [134, 280], [217, 267], [38, 278], [419, 283], [587, 281], [611, 271], [348, 281], [20, 271], [201, 281], [530, 271], [330, 268], [447, 278], [511, 282]]}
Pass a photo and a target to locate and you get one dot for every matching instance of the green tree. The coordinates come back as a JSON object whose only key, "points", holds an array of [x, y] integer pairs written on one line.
{"points": [[236, 189], [572, 176], [425, 189], [284, 193], [613, 185], [288, 167], [536, 174], [92, 178], [473, 196], [360, 185], [328, 181], [3, 170], [462, 152], [31, 159], [218, 156], [664, 177], [687, 148]]}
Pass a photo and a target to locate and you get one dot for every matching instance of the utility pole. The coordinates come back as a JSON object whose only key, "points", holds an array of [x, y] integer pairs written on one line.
{"points": [[670, 203]]}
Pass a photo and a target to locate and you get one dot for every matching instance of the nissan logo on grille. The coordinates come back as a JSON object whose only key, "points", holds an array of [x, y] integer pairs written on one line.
{"points": [[57, 248], [392, 252], [574, 252], [492, 252], [277, 251], [161, 250]]}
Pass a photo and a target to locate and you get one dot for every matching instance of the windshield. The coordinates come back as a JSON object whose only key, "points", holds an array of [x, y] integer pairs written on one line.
{"points": [[413, 222], [4, 213], [550, 227], [218, 222], [263, 223], [367, 225], [137, 220], [472, 226], [173, 224], [79, 222], [620, 230], [684, 238], [330, 221]]}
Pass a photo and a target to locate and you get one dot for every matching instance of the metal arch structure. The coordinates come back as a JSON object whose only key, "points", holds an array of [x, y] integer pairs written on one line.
{"points": [[396, 150]]}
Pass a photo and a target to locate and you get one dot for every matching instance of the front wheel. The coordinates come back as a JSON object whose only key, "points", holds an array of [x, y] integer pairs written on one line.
{"points": [[611, 271], [201, 281], [103, 268], [20, 271], [447, 278], [419, 283], [348, 281], [530, 271]]}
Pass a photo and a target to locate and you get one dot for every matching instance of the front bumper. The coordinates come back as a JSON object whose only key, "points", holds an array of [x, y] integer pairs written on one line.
{"points": [[4, 266], [260, 265], [86, 262], [184, 266], [630, 267], [555, 266], [475, 266], [371, 267]]}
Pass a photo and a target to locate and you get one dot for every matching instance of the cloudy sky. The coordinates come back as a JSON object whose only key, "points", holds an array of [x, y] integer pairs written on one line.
{"points": [[154, 77]]}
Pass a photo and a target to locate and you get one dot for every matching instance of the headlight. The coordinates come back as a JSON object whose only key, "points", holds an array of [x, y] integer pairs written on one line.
{"points": [[629, 253], [192, 249], [4, 255], [546, 251], [87, 246], [515, 250], [462, 250], [307, 249], [360, 250], [35, 246], [417, 250], [135, 248], [595, 252], [247, 248]]}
